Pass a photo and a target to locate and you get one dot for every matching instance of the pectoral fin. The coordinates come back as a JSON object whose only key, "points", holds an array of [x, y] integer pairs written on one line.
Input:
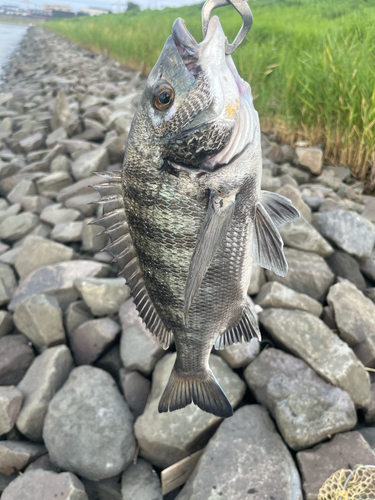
{"points": [[214, 228], [279, 208], [267, 243]]}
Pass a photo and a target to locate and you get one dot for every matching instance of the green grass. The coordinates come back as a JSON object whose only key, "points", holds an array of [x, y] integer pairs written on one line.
{"points": [[311, 65]]}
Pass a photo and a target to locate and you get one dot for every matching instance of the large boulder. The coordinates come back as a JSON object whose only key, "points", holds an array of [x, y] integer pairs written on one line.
{"points": [[88, 429], [246, 458]]}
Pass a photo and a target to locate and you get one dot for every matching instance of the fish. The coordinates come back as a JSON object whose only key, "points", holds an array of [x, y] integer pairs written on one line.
{"points": [[186, 215]]}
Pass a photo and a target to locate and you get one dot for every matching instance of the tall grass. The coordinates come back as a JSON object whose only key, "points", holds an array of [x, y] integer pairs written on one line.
{"points": [[311, 65]]}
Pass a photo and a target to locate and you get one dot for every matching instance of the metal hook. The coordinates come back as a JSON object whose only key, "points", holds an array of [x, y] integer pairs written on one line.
{"points": [[242, 7]]}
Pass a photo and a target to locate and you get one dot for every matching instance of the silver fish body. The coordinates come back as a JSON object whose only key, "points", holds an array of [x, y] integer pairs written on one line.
{"points": [[187, 216]]}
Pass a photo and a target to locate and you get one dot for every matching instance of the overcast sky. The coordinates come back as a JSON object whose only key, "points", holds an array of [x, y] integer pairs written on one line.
{"points": [[113, 5]]}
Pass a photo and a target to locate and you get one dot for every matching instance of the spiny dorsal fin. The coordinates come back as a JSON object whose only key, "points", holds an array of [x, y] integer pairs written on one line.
{"points": [[267, 243], [123, 252], [279, 208], [244, 331]]}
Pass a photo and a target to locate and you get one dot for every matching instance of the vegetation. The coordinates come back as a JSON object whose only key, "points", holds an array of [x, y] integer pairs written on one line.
{"points": [[311, 65]]}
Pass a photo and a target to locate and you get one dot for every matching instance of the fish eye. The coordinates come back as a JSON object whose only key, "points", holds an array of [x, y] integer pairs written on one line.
{"points": [[163, 96]]}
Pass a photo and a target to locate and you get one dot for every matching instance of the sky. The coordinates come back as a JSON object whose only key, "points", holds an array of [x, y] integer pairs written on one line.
{"points": [[113, 5]]}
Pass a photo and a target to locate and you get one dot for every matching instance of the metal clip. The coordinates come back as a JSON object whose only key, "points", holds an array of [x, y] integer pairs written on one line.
{"points": [[242, 7]]}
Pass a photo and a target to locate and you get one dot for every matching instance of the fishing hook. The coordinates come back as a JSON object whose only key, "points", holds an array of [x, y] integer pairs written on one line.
{"points": [[242, 7]]}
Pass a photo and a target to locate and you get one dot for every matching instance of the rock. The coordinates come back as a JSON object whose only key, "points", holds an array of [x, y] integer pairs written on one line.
{"points": [[92, 338], [38, 484], [367, 266], [35, 204], [15, 455], [274, 294], [10, 405], [307, 337], [303, 236], [6, 323], [240, 355], [344, 265], [139, 349], [55, 214], [270, 183], [136, 389], [15, 358], [344, 451], [24, 188], [301, 176], [42, 380], [37, 252], [370, 413], [63, 116], [43, 462], [40, 319], [258, 279], [140, 481], [88, 427], [312, 158], [306, 409], [57, 281], [369, 211], [110, 361], [32, 142], [91, 241], [88, 163], [166, 438], [293, 194], [56, 136], [8, 284], [15, 227], [76, 314], [61, 164], [249, 436], [103, 296], [355, 320], [308, 273], [106, 489], [50, 185], [348, 230], [67, 232]]}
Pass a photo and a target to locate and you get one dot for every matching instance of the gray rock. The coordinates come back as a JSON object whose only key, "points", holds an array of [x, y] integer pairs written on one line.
{"points": [[61, 164], [250, 438], [24, 188], [311, 158], [54, 137], [166, 438], [55, 214], [88, 163], [303, 236], [344, 265], [43, 462], [309, 338], [92, 338], [139, 349], [308, 273], [355, 320], [15, 455], [136, 389], [32, 142], [348, 230], [10, 210], [106, 489], [42, 380], [35, 204], [367, 266], [67, 232], [15, 358], [41, 484], [10, 405], [91, 241], [88, 427], [8, 284], [301, 176], [76, 314], [258, 279], [15, 227], [270, 183], [274, 294], [6, 323], [306, 408], [240, 355], [370, 412], [57, 280], [38, 252], [51, 184], [40, 319], [294, 195], [103, 296], [63, 115], [344, 451], [140, 481], [369, 211]]}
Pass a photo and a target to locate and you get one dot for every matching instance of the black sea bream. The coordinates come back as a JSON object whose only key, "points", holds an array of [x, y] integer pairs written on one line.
{"points": [[186, 216]]}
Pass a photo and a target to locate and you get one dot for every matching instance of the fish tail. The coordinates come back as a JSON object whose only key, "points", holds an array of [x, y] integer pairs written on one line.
{"points": [[201, 388]]}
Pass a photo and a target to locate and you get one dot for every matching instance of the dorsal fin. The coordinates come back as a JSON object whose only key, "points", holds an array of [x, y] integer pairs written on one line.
{"points": [[244, 331], [123, 252]]}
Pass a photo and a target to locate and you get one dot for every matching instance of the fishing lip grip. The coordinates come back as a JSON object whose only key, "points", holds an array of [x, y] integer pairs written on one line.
{"points": [[242, 7]]}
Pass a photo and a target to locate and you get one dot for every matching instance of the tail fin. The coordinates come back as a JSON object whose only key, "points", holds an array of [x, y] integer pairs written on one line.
{"points": [[200, 388]]}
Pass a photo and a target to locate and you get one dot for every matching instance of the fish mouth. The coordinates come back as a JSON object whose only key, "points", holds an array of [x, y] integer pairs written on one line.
{"points": [[186, 44]]}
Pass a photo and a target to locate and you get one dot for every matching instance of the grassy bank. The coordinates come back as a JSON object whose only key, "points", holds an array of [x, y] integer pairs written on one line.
{"points": [[311, 65]]}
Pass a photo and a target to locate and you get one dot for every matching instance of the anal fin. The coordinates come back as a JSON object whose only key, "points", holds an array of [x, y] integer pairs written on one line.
{"points": [[246, 329]]}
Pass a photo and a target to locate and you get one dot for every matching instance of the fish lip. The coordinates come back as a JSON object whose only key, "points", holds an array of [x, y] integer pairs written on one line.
{"points": [[182, 36]]}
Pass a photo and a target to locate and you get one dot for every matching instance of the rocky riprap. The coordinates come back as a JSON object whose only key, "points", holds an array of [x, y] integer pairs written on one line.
{"points": [[80, 376]]}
